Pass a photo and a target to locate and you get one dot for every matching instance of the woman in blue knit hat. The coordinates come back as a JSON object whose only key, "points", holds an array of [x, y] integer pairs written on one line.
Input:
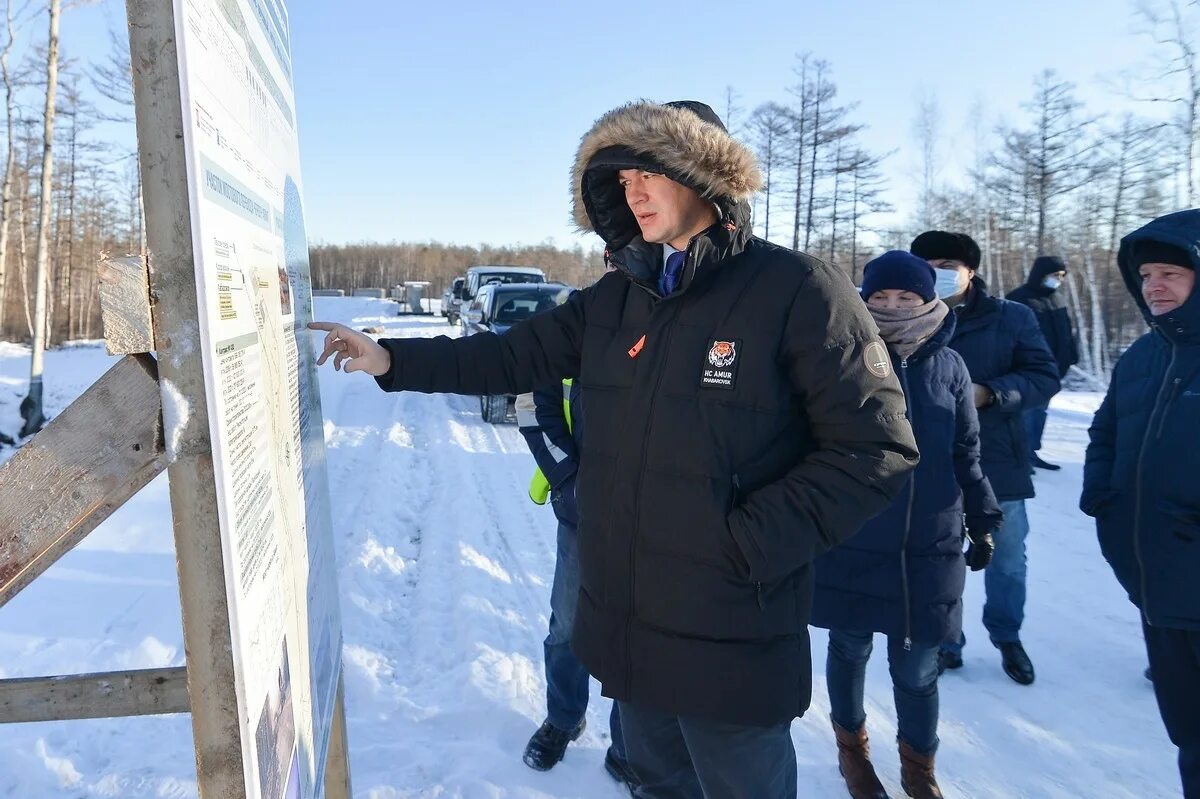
{"points": [[903, 573]]}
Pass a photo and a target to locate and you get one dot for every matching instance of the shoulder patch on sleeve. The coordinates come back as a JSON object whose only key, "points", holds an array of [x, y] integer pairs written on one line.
{"points": [[876, 359]]}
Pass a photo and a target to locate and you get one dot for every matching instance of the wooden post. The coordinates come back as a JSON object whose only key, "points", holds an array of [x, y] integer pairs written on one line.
{"points": [[95, 455], [94, 696], [154, 57], [337, 759]]}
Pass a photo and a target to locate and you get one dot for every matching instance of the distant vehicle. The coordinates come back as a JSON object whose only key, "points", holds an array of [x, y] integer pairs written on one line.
{"points": [[452, 299], [496, 308], [478, 276]]}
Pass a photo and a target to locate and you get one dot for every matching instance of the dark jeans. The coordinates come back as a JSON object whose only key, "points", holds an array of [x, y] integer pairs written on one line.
{"points": [[1175, 665], [566, 678], [914, 685], [684, 758], [1035, 425], [1004, 580]]}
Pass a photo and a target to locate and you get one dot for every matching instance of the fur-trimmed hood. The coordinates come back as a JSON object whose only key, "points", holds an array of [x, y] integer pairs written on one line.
{"points": [[685, 140]]}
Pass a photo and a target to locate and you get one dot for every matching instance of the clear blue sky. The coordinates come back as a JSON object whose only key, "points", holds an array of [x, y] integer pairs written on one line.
{"points": [[457, 122]]}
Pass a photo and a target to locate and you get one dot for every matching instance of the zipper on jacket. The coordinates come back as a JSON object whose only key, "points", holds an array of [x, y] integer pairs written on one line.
{"points": [[733, 502], [1162, 419], [637, 511], [1137, 505], [912, 498]]}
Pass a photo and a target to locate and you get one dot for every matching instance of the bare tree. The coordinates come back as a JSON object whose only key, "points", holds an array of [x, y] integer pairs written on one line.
{"points": [[1174, 64], [1051, 158], [11, 153], [926, 126], [31, 406], [770, 123]]}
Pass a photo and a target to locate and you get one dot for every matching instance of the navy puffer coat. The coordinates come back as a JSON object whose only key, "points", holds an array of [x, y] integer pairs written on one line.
{"points": [[903, 573], [1140, 476]]}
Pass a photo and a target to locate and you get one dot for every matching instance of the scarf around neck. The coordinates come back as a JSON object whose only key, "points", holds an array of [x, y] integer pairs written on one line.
{"points": [[906, 329]]}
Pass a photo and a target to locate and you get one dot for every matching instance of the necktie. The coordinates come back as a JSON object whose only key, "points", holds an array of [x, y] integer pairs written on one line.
{"points": [[671, 272]]}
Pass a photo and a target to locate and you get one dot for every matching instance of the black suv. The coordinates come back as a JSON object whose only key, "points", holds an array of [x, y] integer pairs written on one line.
{"points": [[496, 308]]}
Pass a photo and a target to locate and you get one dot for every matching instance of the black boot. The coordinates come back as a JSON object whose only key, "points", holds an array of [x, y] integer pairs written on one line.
{"points": [[548, 745], [1041, 464], [618, 768], [948, 660], [1016, 662]]}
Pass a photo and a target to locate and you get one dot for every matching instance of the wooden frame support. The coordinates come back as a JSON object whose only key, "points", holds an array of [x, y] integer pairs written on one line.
{"points": [[73, 474], [207, 641], [125, 305], [94, 696]]}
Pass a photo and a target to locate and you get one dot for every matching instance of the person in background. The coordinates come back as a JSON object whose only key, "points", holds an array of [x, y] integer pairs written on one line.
{"points": [[1140, 473], [903, 573], [1012, 370], [552, 423], [1043, 293]]}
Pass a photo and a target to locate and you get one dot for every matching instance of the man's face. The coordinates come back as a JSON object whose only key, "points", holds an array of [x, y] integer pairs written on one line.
{"points": [[962, 272], [666, 212], [1166, 286]]}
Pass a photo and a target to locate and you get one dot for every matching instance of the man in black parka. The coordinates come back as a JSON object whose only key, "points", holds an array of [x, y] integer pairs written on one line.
{"points": [[1042, 292], [743, 417]]}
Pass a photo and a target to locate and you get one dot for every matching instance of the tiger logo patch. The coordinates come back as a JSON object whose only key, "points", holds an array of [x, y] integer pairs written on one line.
{"points": [[722, 353], [721, 364]]}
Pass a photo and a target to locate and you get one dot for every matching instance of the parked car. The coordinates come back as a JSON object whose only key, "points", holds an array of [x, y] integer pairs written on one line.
{"points": [[496, 308], [478, 276], [452, 299]]}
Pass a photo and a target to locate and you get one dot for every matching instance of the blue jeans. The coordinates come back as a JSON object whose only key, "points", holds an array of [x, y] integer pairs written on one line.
{"points": [[1004, 580], [566, 678], [676, 757], [1035, 425], [1175, 665], [914, 685]]}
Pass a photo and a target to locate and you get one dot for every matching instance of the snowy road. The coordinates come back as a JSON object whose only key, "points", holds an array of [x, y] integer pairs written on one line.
{"points": [[445, 570]]}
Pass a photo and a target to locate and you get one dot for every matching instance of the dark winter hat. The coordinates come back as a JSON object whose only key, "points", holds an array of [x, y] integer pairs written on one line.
{"points": [[936, 244], [898, 269], [1148, 251], [1045, 265]]}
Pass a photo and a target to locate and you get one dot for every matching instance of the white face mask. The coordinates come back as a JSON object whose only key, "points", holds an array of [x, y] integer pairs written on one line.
{"points": [[946, 283], [1052, 283]]}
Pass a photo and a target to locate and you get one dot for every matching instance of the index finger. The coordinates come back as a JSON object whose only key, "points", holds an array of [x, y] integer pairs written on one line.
{"points": [[321, 325]]}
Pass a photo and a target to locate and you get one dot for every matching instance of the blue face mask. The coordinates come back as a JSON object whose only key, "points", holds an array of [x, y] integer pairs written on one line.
{"points": [[946, 283], [1052, 283]]}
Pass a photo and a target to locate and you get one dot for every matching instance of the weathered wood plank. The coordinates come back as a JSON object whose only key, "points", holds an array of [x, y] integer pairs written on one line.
{"points": [[216, 732], [94, 696], [125, 305], [72, 475]]}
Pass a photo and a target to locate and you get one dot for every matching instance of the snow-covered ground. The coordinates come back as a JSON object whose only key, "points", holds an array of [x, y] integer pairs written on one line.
{"points": [[445, 570]]}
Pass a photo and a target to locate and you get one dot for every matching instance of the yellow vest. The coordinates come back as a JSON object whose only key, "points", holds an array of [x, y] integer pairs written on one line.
{"points": [[539, 486]]}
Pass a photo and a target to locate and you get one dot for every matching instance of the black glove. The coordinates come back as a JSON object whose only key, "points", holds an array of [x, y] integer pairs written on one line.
{"points": [[979, 551]]}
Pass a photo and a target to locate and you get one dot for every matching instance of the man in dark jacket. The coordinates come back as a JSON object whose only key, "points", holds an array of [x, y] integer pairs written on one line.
{"points": [[552, 423], [1139, 478], [742, 416], [1012, 371], [1042, 293]]}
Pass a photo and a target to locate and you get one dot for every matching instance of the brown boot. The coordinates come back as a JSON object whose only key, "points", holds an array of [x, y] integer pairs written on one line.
{"points": [[854, 761], [916, 774]]}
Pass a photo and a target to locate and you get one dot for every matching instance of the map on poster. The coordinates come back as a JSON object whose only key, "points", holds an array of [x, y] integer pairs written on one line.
{"points": [[255, 297]]}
